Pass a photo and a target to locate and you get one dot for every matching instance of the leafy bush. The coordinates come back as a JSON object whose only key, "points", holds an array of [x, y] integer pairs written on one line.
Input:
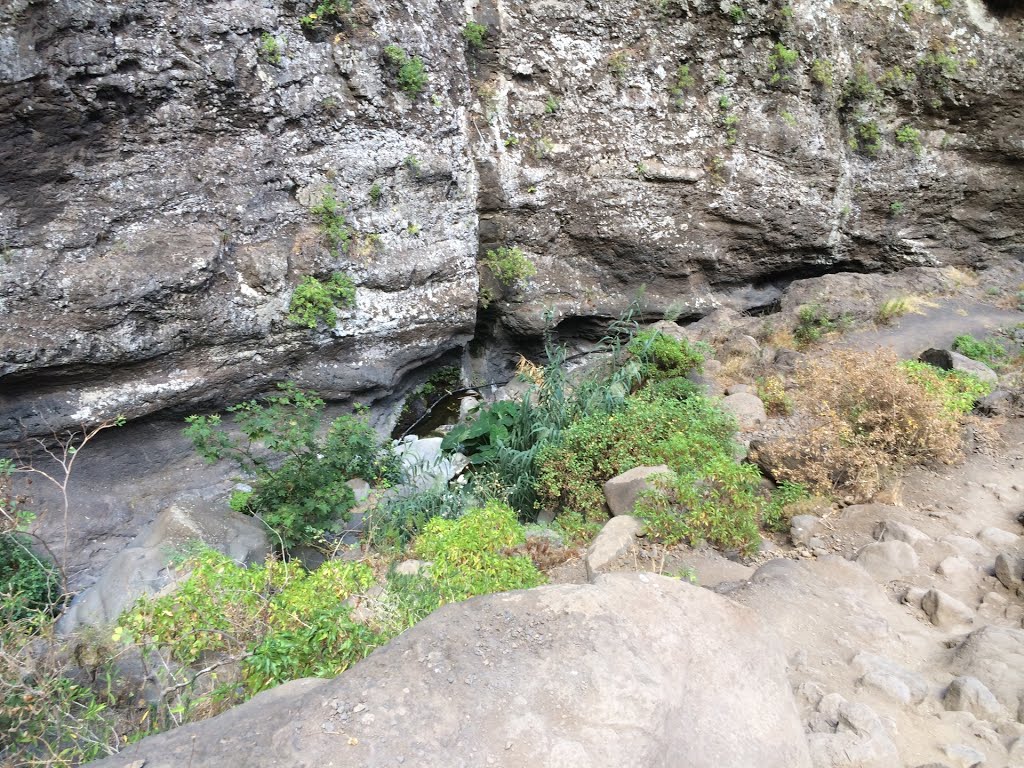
{"points": [[299, 477], [326, 9], [468, 554], [313, 301], [822, 74], [474, 34], [871, 414], [663, 357], [333, 226], [648, 430], [776, 515], [957, 391], [270, 48], [781, 62], [814, 322], [718, 502], [772, 392], [29, 584], [909, 136], [410, 71], [509, 265], [988, 351], [281, 621]]}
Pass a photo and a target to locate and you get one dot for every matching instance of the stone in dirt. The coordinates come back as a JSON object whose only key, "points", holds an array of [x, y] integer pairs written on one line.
{"points": [[946, 612], [802, 528], [747, 408], [890, 678], [617, 538], [634, 670], [888, 560], [890, 530], [1010, 571], [995, 656], [998, 539], [850, 735], [621, 491], [969, 694], [141, 568]]}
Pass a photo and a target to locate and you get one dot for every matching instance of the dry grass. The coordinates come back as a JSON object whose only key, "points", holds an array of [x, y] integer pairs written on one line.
{"points": [[868, 419]]}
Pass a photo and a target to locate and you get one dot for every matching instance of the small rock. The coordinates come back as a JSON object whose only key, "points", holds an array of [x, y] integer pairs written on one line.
{"points": [[888, 560], [890, 530], [621, 491], [957, 568], [965, 545], [943, 358], [946, 612], [998, 539], [1010, 571], [803, 528], [963, 756], [747, 408], [410, 567], [969, 694], [914, 596], [890, 678], [737, 389], [616, 539]]}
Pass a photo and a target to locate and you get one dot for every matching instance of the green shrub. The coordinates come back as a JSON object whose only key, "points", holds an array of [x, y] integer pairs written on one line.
{"points": [[957, 391], [663, 357], [719, 502], [774, 516], [781, 63], [474, 34], [468, 555], [682, 82], [314, 302], [988, 351], [647, 430], [326, 9], [866, 137], [29, 584], [814, 322], [896, 208], [859, 88], [270, 48], [737, 14], [618, 64], [282, 621], [509, 265], [298, 476], [334, 228], [822, 74], [908, 136], [410, 71]]}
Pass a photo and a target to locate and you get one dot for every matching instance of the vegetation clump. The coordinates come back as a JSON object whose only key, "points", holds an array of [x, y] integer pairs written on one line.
{"points": [[474, 34], [270, 48], [781, 63], [298, 476], [409, 70], [314, 301], [326, 9], [988, 351]]}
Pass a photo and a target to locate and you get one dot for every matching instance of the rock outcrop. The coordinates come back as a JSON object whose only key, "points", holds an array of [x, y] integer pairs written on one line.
{"points": [[636, 670]]}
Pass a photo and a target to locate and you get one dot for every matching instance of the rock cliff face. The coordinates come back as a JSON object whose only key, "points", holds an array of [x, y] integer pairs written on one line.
{"points": [[159, 162]]}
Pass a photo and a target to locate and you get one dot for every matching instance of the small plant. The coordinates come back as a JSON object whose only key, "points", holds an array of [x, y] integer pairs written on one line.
{"points": [[511, 141], [722, 78], [896, 209], [892, 309], [731, 124], [908, 136], [788, 119], [860, 88], [314, 302], [907, 11], [866, 137], [682, 83], [618, 64], [376, 193], [724, 103], [297, 474], [413, 229], [509, 265], [410, 71], [413, 165], [270, 48], [716, 169], [664, 357], [896, 80], [777, 515], [988, 351], [822, 74], [327, 9], [772, 392], [333, 226], [542, 147], [813, 323], [737, 14], [786, 12], [474, 34], [944, 6], [781, 62], [641, 169], [551, 106]]}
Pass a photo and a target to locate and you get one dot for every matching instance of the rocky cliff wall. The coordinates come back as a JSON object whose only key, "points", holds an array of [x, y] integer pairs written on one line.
{"points": [[712, 151], [158, 164]]}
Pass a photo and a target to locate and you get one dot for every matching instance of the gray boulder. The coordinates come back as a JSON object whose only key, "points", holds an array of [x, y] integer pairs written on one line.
{"points": [[888, 560], [747, 408], [954, 361], [946, 612], [635, 670], [995, 656], [1010, 571], [969, 694], [141, 568], [621, 491], [890, 530], [616, 539]]}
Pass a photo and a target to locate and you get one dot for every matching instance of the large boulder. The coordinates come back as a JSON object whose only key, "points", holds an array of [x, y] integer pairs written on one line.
{"points": [[995, 656], [621, 491], [954, 361], [141, 568], [634, 670]]}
